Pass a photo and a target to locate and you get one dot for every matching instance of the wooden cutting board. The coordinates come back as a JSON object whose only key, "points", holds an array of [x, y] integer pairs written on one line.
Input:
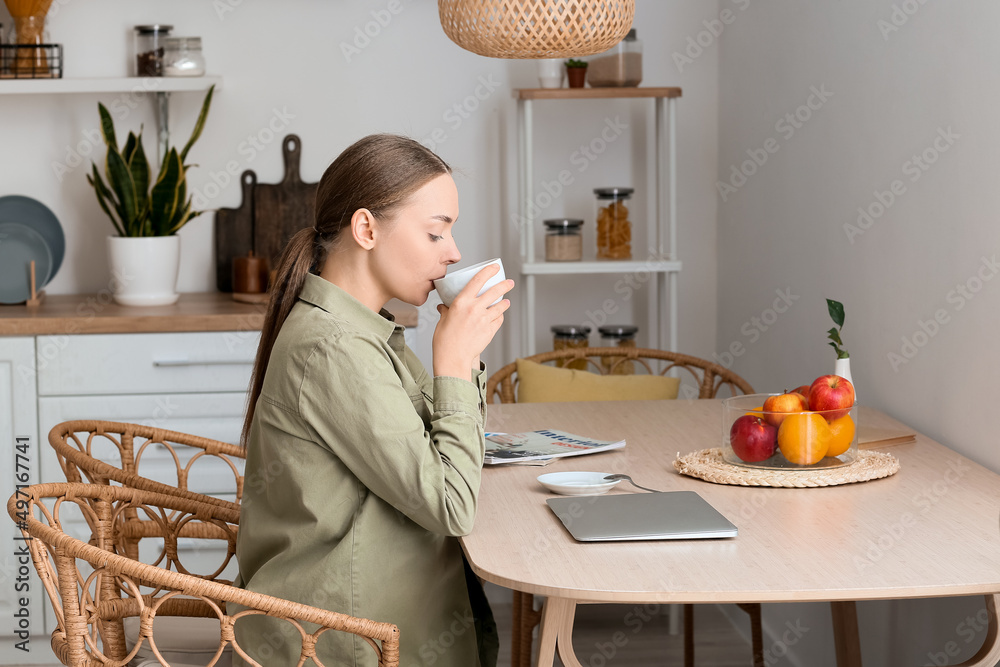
{"points": [[234, 233], [283, 208]]}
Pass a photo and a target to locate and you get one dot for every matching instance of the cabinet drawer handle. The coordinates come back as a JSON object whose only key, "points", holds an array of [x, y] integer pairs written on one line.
{"points": [[163, 363]]}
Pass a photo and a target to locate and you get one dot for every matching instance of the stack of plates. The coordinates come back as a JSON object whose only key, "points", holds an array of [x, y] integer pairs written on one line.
{"points": [[28, 231]]}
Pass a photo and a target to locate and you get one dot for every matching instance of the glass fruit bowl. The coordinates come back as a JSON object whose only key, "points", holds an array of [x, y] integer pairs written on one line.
{"points": [[802, 439]]}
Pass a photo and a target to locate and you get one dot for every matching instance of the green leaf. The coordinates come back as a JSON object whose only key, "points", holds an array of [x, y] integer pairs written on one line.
{"points": [[200, 124], [120, 180], [139, 166], [107, 127], [129, 148], [834, 335], [836, 311], [163, 201], [102, 194]]}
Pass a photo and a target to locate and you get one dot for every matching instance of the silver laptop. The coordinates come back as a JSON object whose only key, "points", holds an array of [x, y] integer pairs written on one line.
{"points": [[671, 515]]}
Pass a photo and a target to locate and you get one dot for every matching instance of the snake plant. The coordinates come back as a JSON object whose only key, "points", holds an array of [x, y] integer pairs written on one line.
{"points": [[136, 207]]}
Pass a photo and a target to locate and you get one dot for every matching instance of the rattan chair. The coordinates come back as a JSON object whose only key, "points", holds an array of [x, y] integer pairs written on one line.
{"points": [[96, 589], [710, 379]]}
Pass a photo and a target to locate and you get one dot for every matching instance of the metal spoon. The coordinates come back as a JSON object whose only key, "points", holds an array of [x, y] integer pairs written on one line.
{"points": [[614, 478]]}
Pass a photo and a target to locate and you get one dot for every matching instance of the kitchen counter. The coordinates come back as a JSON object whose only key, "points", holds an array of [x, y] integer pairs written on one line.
{"points": [[65, 314]]}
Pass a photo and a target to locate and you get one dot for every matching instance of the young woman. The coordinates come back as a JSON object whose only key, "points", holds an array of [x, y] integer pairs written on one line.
{"points": [[362, 469]]}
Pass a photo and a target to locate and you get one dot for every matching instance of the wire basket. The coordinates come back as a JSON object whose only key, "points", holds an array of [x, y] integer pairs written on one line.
{"points": [[536, 28], [31, 61]]}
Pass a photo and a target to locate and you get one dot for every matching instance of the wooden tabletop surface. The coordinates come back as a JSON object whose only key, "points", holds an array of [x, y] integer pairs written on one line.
{"points": [[64, 314], [932, 529]]}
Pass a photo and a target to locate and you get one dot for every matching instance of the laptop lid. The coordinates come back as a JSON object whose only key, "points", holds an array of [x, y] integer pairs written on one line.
{"points": [[671, 515]]}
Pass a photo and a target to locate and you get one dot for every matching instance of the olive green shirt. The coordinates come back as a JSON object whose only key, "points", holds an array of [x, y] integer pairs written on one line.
{"points": [[362, 470]]}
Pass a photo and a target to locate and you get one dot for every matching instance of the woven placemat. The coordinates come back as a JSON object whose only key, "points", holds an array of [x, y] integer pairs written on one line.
{"points": [[709, 465]]}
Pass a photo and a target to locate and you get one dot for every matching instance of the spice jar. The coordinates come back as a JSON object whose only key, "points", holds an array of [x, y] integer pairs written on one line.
{"points": [[182, 57], [149, 49], [618, 335], [614, 230], [621, 65], [563, 241], [567, 337]]}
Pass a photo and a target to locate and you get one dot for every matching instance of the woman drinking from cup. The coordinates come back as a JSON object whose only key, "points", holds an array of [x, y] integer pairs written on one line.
{"points": [[362, 469]]}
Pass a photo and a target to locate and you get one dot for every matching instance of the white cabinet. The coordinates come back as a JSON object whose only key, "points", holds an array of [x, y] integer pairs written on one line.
{"points": [[19, 463], [662, 259]]}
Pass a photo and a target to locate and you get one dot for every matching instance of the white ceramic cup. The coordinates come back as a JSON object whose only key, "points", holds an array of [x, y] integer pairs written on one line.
{"points": [[551, 72], [453, 283]]}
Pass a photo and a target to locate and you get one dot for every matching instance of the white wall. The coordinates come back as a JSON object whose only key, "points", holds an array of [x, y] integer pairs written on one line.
{"points": [[893, 92], [287, 61]]}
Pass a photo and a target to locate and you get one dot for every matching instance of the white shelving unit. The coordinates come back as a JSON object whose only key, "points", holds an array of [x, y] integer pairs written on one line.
{"points": [[161, 86], [662, 224]]}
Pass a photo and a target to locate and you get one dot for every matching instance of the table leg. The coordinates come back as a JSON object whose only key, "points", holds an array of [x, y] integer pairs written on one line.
{"points": [[845, 633], [989, 653], [557, 633]]}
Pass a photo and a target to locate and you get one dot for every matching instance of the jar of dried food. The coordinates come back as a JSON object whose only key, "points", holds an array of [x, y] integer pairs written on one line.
{"points": [[563, 240], [149, 48], [621, 65], [614, 229], [618, 335], [567, 337], [182, 57]]}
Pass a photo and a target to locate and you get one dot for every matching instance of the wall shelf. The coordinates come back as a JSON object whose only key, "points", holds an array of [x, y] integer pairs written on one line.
{"points": [[566, 268], [158, 84]]}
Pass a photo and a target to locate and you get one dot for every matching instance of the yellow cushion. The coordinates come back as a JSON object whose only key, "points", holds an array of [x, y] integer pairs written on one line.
{"points": [[538, 383]]}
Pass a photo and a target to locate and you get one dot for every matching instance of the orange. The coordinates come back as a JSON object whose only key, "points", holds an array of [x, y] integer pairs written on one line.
{"points": [[842, 431], [758, 410], [804, 438]]}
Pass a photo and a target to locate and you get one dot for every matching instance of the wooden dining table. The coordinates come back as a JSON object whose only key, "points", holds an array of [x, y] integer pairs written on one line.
{"points": [[930, 530]]}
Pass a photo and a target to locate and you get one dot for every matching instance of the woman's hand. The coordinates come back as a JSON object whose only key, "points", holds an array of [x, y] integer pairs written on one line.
{"points": [[468, 326]]}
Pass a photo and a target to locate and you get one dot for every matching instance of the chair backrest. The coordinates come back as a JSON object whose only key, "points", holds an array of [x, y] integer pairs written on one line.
{"points": [[94, 587], [710, 377]]}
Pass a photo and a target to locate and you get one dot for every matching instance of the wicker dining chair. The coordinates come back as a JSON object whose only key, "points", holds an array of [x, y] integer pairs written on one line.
{"points": [[709, 377], [96, 590]]}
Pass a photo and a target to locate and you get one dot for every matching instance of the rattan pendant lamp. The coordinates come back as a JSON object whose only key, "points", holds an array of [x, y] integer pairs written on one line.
{"points": [[536, 28]]}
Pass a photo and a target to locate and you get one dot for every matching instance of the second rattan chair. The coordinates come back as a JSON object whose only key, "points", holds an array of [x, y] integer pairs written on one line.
{"points": [[709, 378], [96, 589]]}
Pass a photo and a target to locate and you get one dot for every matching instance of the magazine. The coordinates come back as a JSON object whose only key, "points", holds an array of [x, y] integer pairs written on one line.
{"points": [[541, 447]]}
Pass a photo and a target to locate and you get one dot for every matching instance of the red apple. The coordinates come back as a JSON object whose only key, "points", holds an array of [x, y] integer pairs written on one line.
{"points": [[804, 390], [753, 439], [776, 407], [832, 395]]}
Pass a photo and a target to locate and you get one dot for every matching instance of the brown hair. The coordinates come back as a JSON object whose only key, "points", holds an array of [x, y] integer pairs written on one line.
{"points": [[379, 173]]}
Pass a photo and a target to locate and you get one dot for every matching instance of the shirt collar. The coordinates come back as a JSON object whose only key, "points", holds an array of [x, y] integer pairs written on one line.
{"points": [[321, 293]]}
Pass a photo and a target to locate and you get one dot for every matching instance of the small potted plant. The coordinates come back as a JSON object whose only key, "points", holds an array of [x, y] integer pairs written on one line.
{"points": [[147, 212], [576, 72]]}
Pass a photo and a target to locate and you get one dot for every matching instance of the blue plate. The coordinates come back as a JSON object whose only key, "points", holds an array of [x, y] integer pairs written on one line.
{"points": [[19, 244], [35, 214]]}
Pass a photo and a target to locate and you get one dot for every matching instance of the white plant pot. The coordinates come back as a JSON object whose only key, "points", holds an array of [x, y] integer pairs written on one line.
{"points": [[551, 72], [843, 369], [144, 269]]}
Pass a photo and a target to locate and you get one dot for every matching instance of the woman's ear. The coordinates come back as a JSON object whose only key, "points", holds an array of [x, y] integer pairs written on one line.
{"points": [[363, 228]]}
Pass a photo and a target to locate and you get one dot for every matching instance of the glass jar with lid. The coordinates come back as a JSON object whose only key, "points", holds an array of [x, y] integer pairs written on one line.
{"points": [[618, 335], [614, 229], [563, 240], [149, 48], [182, 57], [619, 66], [568, 337]]}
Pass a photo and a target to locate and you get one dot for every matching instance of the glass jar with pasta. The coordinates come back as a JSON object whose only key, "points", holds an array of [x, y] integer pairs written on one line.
{"points": [[614, 228], [618, 335], [568, 337]]}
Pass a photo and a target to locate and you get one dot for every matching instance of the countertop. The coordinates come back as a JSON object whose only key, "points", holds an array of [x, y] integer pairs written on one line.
{"points": [[65, 314]]}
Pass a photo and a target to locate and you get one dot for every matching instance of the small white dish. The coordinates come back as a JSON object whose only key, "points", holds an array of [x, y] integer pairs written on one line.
{"points": [[577, 483], [453, 283]]}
